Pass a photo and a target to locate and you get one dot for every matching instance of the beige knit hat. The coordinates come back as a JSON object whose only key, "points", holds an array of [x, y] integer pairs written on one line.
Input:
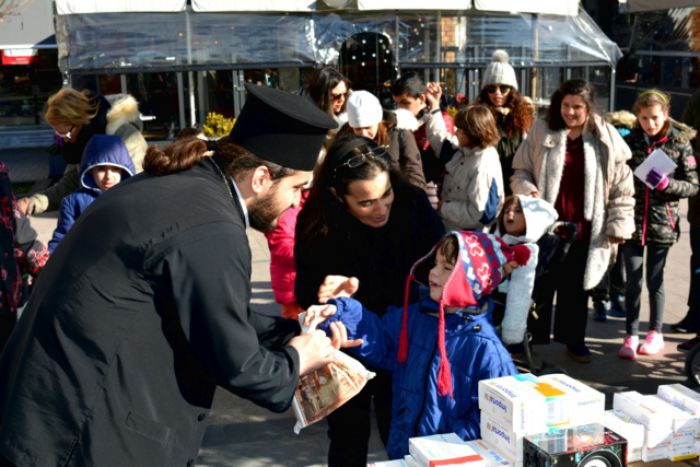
{"points": [[499, 71]]}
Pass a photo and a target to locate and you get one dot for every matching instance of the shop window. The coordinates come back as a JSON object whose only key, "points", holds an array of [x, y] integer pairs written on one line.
{"points": [[24, 89]]}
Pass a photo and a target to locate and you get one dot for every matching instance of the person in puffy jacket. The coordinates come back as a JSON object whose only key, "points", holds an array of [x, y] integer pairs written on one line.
{"points": [[105, 163], [656, 213], [440, 347], [75, 118]]}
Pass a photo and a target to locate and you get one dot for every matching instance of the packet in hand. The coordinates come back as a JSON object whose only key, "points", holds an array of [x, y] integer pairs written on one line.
{"points": [[324, 390]]}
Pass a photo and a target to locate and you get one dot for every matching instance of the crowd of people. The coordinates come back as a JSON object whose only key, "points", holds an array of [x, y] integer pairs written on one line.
{"points": [[395, 227]]}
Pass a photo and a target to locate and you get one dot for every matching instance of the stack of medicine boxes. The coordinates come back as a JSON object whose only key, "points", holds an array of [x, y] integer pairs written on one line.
{"points": [[662, 426], [513, 407]]}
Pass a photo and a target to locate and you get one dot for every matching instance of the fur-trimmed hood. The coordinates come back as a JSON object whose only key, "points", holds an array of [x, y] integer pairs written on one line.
{"points": [[123, 109]]}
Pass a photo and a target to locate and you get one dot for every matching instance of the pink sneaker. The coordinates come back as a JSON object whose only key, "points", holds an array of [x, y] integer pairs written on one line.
{"points": [[653, 344], [629, 348]]}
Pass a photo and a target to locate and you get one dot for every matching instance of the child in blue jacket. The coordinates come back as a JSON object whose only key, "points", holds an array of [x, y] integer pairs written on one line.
{"points": [[439, 348], [105, 163]]}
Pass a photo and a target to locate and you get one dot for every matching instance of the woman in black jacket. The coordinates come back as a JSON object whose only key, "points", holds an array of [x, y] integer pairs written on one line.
{"points": [[362, 221]]}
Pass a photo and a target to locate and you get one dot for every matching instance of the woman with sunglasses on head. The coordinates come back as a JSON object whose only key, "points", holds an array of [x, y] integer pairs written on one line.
{"points": [[577, 161], [393, 130], [329, 90], [363, 222], [514, 114], [75, 117]]}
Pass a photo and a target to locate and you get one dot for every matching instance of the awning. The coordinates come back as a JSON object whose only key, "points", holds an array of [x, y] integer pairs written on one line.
{"points": [[650, 5], [546, 7], [72, 7], [559, 7], [29, 28]]}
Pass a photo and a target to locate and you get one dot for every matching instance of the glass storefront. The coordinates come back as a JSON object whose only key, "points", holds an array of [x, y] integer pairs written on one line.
{"points": [[25, 88]]}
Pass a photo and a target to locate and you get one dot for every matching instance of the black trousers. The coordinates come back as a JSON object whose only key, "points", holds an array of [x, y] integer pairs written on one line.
{"points": [[613, 282], [571, 314], [349, 425], [7, 324]]}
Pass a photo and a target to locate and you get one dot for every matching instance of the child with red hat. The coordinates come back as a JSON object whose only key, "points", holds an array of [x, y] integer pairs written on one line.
{"points": [[441, 347]]}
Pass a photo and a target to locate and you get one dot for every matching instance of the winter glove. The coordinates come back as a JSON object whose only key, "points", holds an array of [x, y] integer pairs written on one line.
{"points": [[657, 179]]}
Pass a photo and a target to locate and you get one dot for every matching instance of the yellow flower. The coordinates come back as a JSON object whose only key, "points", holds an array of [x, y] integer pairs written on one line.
{"points": [[216, 125]]}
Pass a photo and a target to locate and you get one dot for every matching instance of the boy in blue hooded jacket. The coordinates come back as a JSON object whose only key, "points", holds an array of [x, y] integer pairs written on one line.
{"points": [[439, 348], [105, 163]]}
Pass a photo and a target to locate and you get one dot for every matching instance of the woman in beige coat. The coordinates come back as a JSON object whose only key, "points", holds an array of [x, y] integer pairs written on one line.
{"points": [[577, 162]]}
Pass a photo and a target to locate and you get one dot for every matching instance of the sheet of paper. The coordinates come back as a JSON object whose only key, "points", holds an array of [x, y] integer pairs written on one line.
{"points": [[658, 160]]}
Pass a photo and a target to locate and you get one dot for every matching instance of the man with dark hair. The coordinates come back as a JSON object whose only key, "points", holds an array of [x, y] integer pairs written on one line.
{"points": [[409, 92], [144, 308]]}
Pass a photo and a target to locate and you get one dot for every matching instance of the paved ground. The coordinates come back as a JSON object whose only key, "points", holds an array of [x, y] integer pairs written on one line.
{"points": [[244, 435]]}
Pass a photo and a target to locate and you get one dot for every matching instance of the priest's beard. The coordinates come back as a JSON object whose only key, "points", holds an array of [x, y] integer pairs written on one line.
{"points": [[265, 213]]}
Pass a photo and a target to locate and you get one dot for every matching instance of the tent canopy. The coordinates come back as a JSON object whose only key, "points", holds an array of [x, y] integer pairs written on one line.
{"points": [[560, 7], [190, 40]]}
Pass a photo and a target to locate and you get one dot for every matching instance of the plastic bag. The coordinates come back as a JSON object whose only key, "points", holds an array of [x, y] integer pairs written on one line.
{"points": [[324, 390]]}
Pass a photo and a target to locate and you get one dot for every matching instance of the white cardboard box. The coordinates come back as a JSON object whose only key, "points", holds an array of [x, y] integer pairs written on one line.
{"points": [[500, 436], [628, 428], [585, 404], [394, 463], [523, 402], [680, 396], [492, 457], [650, 412], [658, 452], [426, 450]]}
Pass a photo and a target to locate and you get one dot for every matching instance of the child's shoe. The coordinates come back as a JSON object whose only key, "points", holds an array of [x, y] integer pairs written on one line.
{"points": [[629, 348], [653, 344]]}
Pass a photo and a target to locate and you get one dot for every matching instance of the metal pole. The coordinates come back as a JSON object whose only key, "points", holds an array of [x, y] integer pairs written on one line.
{"points": [[181, 99], [190, 78], [613, 75]]}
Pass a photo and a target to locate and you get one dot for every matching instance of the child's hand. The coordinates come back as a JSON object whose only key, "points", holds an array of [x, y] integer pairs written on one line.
{"points": [[433, 94], [318, 314], [509, 267], [337, 286], [339, 336]]}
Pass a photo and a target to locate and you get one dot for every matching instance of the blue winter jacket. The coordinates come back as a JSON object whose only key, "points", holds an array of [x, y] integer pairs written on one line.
{"points": [[100, 150], [474, 351]]}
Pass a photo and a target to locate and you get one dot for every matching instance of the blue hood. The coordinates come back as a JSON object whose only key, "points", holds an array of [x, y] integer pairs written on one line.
{"points": [[104, 150]]}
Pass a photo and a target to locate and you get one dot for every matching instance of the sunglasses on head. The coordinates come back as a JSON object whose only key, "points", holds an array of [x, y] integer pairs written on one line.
{"points": [[504, 88], [356, 160], [67, 134]]}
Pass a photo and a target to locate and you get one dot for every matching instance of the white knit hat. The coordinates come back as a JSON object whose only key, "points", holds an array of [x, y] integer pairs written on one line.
{"points": [[499, 71], [363, 109]]}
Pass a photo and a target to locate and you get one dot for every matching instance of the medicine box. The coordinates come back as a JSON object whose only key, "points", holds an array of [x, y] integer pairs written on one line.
{"points": [[444, 450]]}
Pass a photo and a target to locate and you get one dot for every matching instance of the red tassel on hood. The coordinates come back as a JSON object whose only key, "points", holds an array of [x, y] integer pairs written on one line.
{"points": [[402, 353], [444, 377]]}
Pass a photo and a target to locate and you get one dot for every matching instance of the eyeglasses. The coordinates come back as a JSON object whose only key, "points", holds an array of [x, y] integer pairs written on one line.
{"points": [[357, 160], [504, 88], [67, 134], [338, 97]]}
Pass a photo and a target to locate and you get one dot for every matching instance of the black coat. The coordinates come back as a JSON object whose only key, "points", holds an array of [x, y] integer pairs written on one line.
{"points": [[379, 257], [140, 313]]}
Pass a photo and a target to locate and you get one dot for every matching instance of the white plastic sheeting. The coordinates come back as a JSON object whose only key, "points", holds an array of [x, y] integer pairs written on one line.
{"points": [[73, 7], [188, 41]]}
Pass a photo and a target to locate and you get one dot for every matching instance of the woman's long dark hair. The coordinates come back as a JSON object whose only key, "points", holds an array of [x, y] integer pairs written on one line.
{"points": [[331, 182], [521, 115], [321, 83], [185, 153], [572, 87]]}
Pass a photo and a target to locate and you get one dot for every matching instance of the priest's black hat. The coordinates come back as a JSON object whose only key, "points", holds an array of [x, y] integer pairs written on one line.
{"points": [[281, 127]]}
